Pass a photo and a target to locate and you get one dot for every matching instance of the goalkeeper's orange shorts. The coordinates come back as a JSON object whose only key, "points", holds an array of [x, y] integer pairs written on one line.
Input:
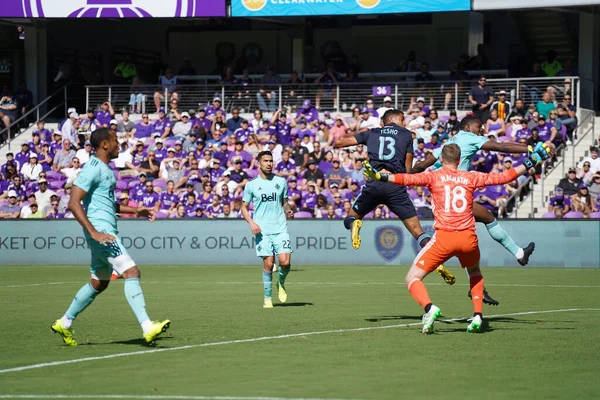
{"points": [[444, 245]]}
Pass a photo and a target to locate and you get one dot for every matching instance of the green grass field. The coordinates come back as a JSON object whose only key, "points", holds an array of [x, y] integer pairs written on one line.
{"points": [[346, 333]]}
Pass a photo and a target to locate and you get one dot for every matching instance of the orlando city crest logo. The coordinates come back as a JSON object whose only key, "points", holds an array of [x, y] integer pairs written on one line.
{"points": [[389, 241], [415, 245]]}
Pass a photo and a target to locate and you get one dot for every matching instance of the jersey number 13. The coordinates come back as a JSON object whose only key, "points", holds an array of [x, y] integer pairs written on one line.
{"points": [[387, 151]]}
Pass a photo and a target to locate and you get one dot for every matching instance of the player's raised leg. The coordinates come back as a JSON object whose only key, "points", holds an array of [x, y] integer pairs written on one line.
{"points": [[414, 227], [498, 233], [363, 204]]}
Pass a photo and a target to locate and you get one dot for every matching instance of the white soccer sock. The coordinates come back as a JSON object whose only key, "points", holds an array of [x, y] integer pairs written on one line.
{"points": [[66, 321], [146, 325], [520, 253]]}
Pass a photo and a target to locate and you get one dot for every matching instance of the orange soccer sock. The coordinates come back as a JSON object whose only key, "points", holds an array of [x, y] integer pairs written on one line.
{"points": [[419, 292], [477, 292]]}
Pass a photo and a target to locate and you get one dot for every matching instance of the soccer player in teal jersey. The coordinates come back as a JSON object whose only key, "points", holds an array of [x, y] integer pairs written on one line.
{"points": [[470, 141], [95, 186], [268, 192]]}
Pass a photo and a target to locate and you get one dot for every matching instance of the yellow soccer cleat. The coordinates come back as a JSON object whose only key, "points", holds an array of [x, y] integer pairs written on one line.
{"points": [[65, 333], [446, 275], [268, 303], [281, 293], [355, 233], [156, 329]]}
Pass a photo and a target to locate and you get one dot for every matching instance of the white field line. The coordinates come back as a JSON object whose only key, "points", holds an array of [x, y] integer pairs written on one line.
{"points": [[149, 397], [316, 284], [265, 338]]}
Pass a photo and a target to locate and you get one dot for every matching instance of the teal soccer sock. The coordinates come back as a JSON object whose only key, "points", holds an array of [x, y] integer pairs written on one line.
{"points": [[267, 277], [135, 298], [501, 236], [283, 273], [82, 299]]}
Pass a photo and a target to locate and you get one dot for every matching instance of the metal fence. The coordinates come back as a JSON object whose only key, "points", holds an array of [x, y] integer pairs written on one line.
{"points": [[334, 97]]}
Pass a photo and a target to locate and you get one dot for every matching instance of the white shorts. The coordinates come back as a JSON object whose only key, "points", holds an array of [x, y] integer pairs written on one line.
{"points": [[105, 259]]}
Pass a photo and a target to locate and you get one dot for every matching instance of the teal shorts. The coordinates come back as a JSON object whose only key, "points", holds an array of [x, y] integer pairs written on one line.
{"points": [[107, 258], [271, 244]]}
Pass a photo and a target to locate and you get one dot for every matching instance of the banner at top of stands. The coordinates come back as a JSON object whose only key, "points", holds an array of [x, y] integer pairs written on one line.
{"points": [[516, 4], [271, 8], [112, 8]]}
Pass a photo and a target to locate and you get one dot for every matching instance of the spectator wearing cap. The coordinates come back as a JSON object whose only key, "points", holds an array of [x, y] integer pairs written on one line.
{"points": [[545, 105], [327, 120], [583, 202], [300, 155], [243, 132], [56, 144], [309, 200], [11, 159], [12, 209], [64, 157], [317, 154], [570, 184], [286, 167], [594, 184], [481, 97], [235, 122], [546, 130], [387, 105], [202, 122], [89, 124], [184, 127], [215, 108], [168, 84], [220, 152], [268, 90], [502, 106], [124, 157], [416, 120], [338, 175], [22, 157], [265, 132], [43, 195], [294, 193], [70, 110], [485, 161], [105, 114], [327, 80], [160, 153], [426, 131], [240, 154], [225, 187], [239, 176], [84, 154], [522, 132], [45, 157], [592, 159], [163, 124], [179, 151], [313, 174], [45, 134], [368, 121], [567, 113], [453, 123], [419, 151], [305, 131], [559, 203], [519, 112], [143, 129], [307, 113], [276, 149], [31, 171], [283, 127], [36, 211]]}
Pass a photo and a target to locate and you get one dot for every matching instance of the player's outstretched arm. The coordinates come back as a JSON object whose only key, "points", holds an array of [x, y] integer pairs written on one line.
{"points": [[77, 194], [253, 226], [536, 157], [345, 141], [398, 179], [506, 147], [423, 165]]}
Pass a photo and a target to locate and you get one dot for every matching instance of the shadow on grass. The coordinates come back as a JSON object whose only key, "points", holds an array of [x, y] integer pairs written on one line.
{"points": [[140, 342], [297, 304]]}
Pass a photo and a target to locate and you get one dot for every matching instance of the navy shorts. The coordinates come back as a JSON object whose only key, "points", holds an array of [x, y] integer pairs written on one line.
{"points": [[395, 197]]}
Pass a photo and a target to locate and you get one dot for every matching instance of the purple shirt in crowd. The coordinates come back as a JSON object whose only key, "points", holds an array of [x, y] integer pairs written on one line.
{"points": [[161, 126], [137, 158], [560, 201], [419, 155], [203, 123], [160, 154], [310, 201], [167, 200], [545, 131], [150, 199], [23, 158], [243, 134], [310, 115], [137, 192], [244, 155], [292, 193], [305, 132], [488, 165], [522, 134], [103, 117], [45, 135], [190, 210], [210, 110], [284, 133], [286, 166], [183, 196], [222, 156], [214, 210], [143, 131]]}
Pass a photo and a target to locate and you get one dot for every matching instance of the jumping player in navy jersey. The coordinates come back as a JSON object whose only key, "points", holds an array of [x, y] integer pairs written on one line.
{"points": [[390, 150]]}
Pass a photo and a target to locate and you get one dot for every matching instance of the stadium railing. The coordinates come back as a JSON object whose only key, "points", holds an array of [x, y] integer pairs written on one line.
{"points": [[335, 97], [582, 133], [56, 100]]}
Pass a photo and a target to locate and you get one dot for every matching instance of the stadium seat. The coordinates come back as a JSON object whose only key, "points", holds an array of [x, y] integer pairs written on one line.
{"points": [[54, 185], [444, 118], [574, 214], [121, 185], [595, 215], [111, 165], [161, 215], [252, 173], [159, 183], [169, 143], [549, 215], [116, 174], [133, 183], [55, 176], [369, 215], [303, 214]]}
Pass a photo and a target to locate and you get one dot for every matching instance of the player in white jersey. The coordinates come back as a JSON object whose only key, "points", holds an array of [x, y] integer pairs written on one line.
{"points": [[268, 192]]}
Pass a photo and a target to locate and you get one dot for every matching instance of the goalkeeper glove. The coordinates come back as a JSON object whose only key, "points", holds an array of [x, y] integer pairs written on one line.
{"points": [[370, 173], [536, 155]]}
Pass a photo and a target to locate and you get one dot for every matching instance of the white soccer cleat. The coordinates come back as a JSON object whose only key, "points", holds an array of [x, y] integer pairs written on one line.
{"points": [[429, 318]]}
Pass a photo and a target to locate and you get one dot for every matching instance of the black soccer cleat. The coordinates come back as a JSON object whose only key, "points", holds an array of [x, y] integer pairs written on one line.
{"points": [[528, 251], [487, 299]]}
